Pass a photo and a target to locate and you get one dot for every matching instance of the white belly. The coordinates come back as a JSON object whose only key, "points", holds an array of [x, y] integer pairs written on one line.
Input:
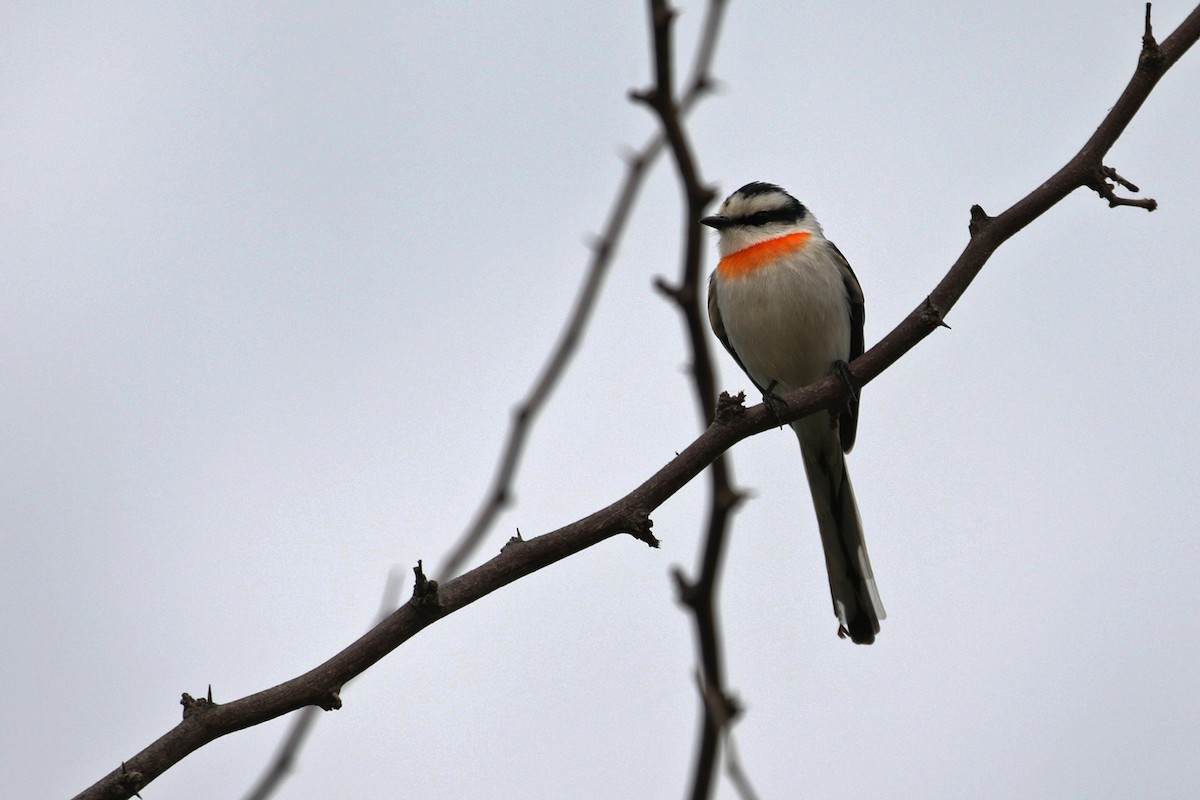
{"points": [[788, 323]]}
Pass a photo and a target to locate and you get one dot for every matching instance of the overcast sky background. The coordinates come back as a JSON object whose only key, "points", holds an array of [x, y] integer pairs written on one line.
{"points": [[274, 276]]}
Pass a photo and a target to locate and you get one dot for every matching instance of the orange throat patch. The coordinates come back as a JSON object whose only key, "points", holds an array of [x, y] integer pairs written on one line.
{"points": [[748, 259]]}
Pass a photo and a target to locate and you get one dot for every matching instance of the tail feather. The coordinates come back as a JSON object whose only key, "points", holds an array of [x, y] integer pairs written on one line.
{"points": [[851, 582]]}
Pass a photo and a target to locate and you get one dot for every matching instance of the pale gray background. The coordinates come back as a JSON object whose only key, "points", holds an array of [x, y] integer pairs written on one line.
{"points": [[274, 275]]}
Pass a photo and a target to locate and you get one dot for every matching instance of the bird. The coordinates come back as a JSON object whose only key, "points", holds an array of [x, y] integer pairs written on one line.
{"points": [[785, 303]]}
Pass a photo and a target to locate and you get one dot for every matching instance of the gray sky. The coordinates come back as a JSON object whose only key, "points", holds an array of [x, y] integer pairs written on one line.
{"points": [[274, 277]]}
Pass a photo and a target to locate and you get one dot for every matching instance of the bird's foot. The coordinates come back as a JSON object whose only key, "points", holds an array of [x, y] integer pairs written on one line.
{"points": [[774, 402], [842, 370]]}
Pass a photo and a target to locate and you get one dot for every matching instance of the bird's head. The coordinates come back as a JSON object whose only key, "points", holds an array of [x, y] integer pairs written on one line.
{"points": [[756, 213]]}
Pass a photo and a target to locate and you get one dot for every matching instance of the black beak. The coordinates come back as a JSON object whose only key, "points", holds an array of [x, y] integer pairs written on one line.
{"points": [[717, 221]]}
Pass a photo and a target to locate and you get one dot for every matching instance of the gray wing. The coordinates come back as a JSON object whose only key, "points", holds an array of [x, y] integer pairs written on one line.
{"points": [[848, 420], [718, 326]]}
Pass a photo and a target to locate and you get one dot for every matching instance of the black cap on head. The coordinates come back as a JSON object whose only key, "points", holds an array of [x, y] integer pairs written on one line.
{"points": [[759, 187]]}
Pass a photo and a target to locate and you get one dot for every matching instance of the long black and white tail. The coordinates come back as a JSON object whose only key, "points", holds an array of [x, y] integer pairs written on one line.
{"points": [[851, 583]]}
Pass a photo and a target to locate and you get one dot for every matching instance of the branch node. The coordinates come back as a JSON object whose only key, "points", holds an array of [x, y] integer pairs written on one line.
{"points": [[932, 315], [728, 499], [664, 15], [192, 706], [594, 242], [686, 589], [1151, 56], [730, 408], [1111, 174], [669, 290], [425, 591], [513, 542], [636, 162], [331, 701], [723, 708], [131, 780], [647, 97], [639, 525], [1099, 182], [979, 220]]}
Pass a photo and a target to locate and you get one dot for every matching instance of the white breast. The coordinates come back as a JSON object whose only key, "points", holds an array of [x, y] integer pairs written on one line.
{"points": [[788, 322]]}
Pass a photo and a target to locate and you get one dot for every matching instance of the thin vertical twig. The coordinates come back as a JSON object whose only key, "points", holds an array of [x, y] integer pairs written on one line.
{"points": [[500, 493], [717, 706]]}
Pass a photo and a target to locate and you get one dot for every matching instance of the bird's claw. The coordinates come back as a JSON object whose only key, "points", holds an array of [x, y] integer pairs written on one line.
{"points": [[842, 370], [774, 402]]}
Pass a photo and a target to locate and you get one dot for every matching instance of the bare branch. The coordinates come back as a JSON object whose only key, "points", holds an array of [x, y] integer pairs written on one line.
{"points": [[988, 233], [700, 596], [630, 514], [499, 496]]}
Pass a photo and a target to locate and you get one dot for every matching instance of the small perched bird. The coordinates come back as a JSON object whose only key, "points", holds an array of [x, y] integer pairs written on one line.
{"points": [[788, 308]]}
